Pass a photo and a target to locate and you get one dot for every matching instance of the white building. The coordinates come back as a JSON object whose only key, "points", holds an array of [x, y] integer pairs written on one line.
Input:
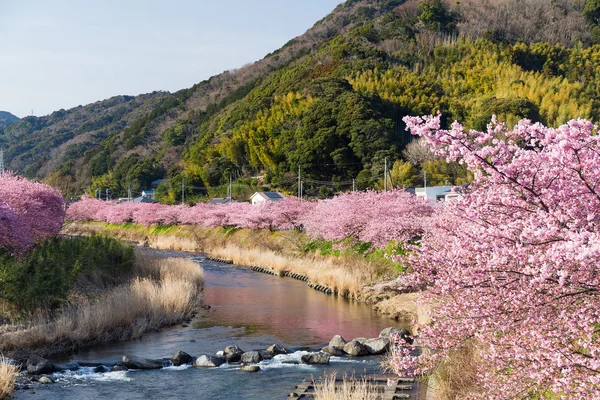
{"points": [[436, 193], [263, 197]]}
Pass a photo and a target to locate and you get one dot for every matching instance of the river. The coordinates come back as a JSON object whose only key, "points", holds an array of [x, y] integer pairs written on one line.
{"points": [[248, 309]]}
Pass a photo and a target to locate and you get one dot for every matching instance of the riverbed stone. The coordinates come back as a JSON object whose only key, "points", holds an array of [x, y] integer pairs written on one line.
{"points": [[37, 365], [277, 349], [334, 351], [180, 358], [233, 353], [355, 348], [250, 368], [315, 358], [206, 361], [134, 362], [338, 342], [402, 333], [45, 380], [251, 357], [118, 368], [101, 369], [378, 346]]}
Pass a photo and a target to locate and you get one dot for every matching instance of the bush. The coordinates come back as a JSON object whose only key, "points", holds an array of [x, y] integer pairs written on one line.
{"points": [[47, 275]]}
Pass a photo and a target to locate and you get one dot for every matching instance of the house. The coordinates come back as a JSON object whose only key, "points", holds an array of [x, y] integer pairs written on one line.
{"points": [[144, 199], [149, 193], [440, 193], [221, 200], [434, 193], [264, 197]]}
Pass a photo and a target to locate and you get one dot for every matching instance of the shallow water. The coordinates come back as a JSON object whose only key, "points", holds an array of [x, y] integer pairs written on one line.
{"points": [[248, 309]]}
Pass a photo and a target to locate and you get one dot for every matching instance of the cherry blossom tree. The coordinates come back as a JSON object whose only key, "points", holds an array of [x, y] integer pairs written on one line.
{"points": [[30, 212], [513, 266]]}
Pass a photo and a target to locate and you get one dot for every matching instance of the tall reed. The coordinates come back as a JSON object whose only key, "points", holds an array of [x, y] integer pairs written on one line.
{"points": [[347, 389], [8, 376], [164, 292]]}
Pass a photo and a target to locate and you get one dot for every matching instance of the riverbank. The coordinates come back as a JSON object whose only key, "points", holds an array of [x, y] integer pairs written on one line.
{"points": [[161, 292], [348, 274]]}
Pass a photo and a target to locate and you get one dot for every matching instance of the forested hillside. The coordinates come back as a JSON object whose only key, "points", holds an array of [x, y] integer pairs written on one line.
{"points": [[331, 102], [7, 118]]}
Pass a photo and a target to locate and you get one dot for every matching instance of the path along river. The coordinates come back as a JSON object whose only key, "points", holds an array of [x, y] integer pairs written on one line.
{"points": [[248, 309]]}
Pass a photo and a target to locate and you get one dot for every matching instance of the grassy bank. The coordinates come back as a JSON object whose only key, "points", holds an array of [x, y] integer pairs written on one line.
{"points": [[160, 292], [8, 377], [346, 270], [348, 389]]}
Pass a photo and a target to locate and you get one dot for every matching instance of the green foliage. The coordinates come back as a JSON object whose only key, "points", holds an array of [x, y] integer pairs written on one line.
{"points": [[592, 11], [46, 276], [435, 16]]}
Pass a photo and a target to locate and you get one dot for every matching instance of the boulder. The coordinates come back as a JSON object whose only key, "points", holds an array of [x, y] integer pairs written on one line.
{"points": [[220, 353], [334, 351], [338, 342], [277, 349], [45, 380], [133, 362], [180, 358], [251, 357], [360, 340], [402, 333], [291, 362], [37, 365], [233, 353], [355, 348], [315, 358], [377, 346], [118, 368], [250, 368], [205, 361], [101, 369]]}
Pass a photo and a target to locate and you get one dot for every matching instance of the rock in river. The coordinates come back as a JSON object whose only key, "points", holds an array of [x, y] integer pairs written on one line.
{"points": [[180, 358], [315, 358], [338, 342], [251, 357], [400, 332], [133, 362], [277, 349], [233, 353], [45, 380], [355, 348], [334, 351], [250, 368], [377, 346], [205, 361], [37, 365]]}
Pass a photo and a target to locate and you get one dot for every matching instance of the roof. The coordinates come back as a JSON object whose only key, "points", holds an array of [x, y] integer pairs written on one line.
{"points": [[268, 195], [221, 200], [149, 191], [144, 199]]}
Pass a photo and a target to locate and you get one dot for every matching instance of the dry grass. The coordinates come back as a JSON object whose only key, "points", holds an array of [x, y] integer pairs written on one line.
{"points": [[8, 376], [348, 389], [346, 276], [165, 292], [457, 376]]}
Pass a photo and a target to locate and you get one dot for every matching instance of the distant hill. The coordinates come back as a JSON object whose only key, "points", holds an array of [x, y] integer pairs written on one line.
{"points": [[7, 118], [330, 101]]}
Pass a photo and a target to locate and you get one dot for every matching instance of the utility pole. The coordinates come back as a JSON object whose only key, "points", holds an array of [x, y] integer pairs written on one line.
{"points": [[385, 177], [230, 188], [182, 190], [299, 183], [107, 190], [129, 192], [1, 161], [425, 176], [301, 189], [354, 185]]}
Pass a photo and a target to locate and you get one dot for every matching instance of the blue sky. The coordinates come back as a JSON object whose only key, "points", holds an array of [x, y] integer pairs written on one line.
{"points": [[63, 53]]}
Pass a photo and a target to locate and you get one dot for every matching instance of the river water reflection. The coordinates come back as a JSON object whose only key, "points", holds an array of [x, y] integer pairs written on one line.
{"points": [[248, 309]]}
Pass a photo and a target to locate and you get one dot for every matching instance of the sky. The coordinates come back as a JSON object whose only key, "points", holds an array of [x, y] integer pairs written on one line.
{"points": [[64, 53]]}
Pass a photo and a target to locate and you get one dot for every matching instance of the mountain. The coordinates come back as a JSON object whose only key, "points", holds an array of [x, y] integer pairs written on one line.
{"points": [[7, 118], [330, 101]]}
